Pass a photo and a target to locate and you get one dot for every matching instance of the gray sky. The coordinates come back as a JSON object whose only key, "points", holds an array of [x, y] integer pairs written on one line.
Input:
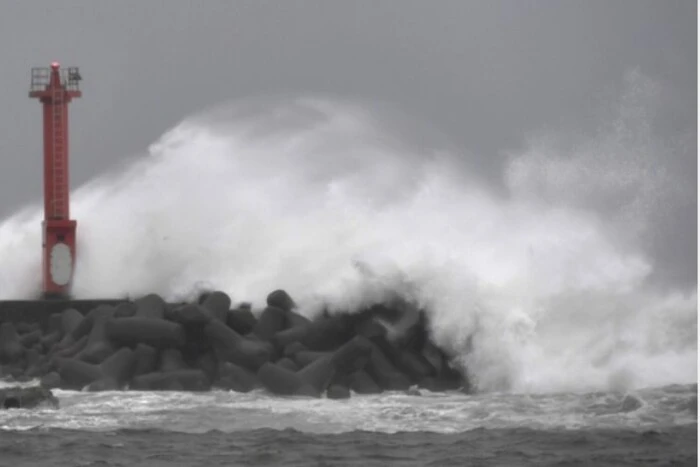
{"points": [[483, 72]]}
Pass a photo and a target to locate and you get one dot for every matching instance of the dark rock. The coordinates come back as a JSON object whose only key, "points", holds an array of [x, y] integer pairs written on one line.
{"points": [[17, 374], [353, 355], [370, 329], [70, 350], [294, 319], [241, 320], [337, 392], [308, 391], [51, 380], [49, 340], [189, 315], [55, 324], [362, 383], [341, 379], [208, 363], [11, 349], [119, 367], [271, 321], [326, 334], [192, 380], [288, 364], [319, 373], [284, 338], [413, 391], [125, 310], [430, 383], [173, 384], [31, 357], [98, 352], [218, 304], [255, 338], [155, 340], [406, 361], [232, 347], [416, 336], [196, 342], [25, 327], [76, 374], [98, 347], [171, 360], [202, 296], [280, 299], [434, 357], [104, 384], [26, 397], [65, 342], [30, 338], [20, 378], [155, 381], [390, 312], [80, 328], [70, 321], [380, 368], [306, 357], [151, 306], [292, 349], [6, 371], [145, 359], [435, 384], [157, 333], [279, 380], [236, 378], [451, 379], [38, 369]]}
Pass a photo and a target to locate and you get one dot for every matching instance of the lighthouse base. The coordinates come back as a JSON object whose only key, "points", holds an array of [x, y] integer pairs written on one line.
{"points": [[58, 257]]}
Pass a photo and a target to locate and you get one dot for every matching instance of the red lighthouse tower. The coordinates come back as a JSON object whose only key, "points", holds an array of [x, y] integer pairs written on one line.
{"points": [[55, 88]]}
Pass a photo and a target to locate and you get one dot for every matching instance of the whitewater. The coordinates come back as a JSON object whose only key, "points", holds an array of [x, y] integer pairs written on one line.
{"points": [[535, 286]]}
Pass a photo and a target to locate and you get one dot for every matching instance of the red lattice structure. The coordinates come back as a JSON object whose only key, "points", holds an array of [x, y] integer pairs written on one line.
{"points": [[55, 88]]}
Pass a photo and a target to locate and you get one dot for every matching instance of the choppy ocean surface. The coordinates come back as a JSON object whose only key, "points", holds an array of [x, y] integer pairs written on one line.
{"points": [[648, 427]]}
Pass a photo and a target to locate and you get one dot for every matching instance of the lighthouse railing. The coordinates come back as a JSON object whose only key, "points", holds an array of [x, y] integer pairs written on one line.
{"points": [[41, 76]]}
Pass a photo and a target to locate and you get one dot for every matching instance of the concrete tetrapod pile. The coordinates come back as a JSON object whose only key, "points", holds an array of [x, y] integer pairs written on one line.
{"points": [[148, 344]]}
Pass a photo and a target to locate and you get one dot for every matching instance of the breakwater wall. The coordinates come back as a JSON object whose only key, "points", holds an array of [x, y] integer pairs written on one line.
{"points": [[38, 311], [148, 344]]}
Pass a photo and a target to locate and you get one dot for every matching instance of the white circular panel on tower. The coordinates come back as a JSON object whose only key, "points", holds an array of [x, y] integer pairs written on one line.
{"points": [[61, 264]]}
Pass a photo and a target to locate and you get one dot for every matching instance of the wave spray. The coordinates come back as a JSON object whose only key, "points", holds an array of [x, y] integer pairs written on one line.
{"points": [[539, 289]]}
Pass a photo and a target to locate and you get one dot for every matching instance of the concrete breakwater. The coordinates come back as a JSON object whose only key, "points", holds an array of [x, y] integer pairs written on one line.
{"points": [[148, 344]]}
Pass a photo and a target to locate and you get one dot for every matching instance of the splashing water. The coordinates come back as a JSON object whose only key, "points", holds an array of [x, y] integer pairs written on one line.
{"points": [[546, 291]]}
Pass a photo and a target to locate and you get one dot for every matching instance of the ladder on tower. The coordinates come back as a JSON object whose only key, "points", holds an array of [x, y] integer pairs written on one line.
{"points": [[59, 163]]}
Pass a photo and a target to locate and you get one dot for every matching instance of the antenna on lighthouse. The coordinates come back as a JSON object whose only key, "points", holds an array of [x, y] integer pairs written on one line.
{"points": [[55, 88]]}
